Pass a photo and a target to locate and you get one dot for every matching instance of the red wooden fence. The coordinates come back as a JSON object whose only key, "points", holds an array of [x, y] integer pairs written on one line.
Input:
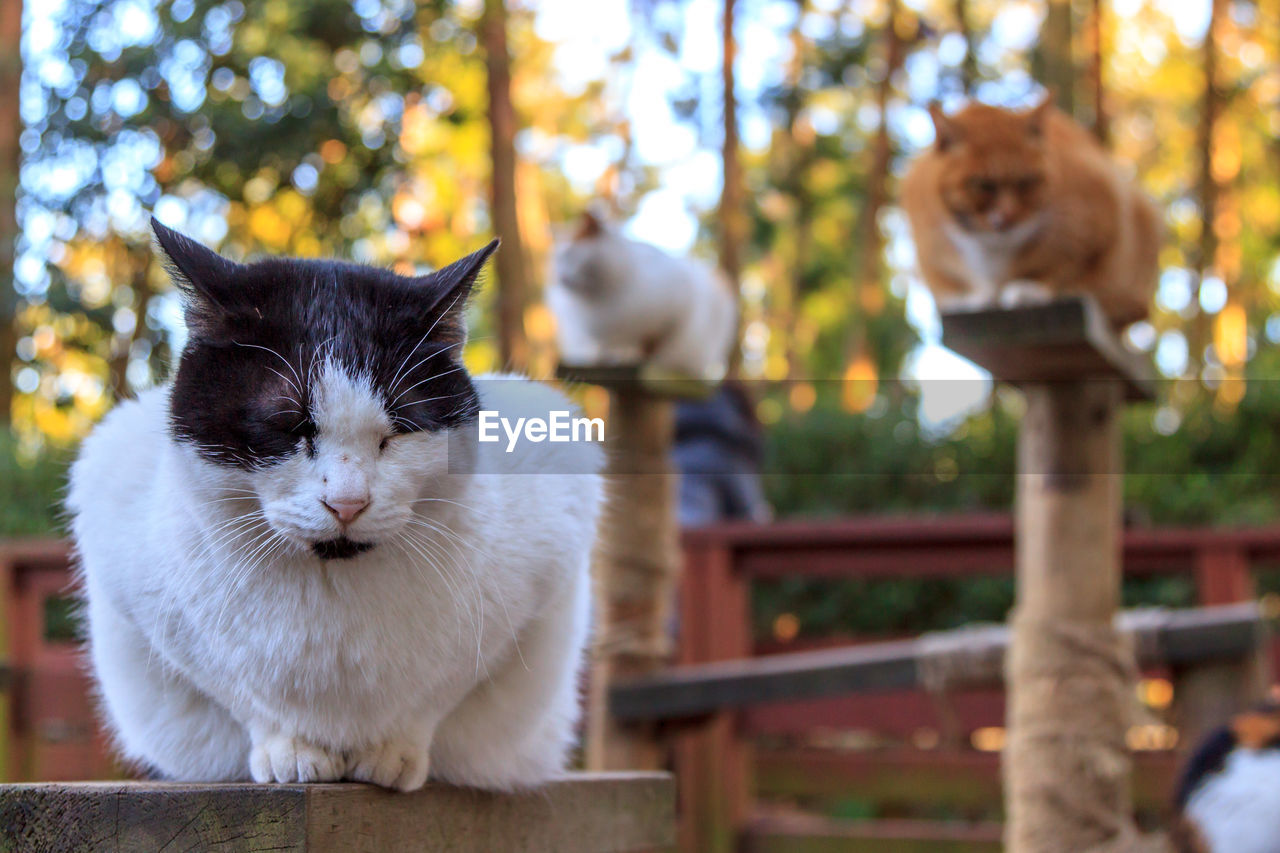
{"points": [[719, 769]]}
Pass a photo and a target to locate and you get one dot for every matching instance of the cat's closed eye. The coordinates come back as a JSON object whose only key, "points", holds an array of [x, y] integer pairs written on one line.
{"points": [[982, 186], [305, 430]]}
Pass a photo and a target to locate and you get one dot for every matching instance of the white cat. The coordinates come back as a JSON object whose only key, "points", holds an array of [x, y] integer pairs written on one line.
{"points": [[618, 301], [298, 565]]}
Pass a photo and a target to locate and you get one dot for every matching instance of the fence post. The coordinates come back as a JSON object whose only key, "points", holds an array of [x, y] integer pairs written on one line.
{"points": [[1223, 576], [713, 761]]}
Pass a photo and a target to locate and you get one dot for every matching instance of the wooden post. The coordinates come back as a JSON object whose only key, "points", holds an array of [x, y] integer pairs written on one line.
{"points": [[1206, 696], [1070, 677], [1070, 680], [713, 762], [1223, 576], [638, 565]]}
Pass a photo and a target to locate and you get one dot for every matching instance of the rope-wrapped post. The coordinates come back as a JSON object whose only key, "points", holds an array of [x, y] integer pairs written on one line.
{"points": [[637, 571], [1070, 676]]}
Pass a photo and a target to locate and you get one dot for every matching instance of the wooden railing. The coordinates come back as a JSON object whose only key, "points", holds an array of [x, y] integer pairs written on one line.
{"points": [[723, 773]]}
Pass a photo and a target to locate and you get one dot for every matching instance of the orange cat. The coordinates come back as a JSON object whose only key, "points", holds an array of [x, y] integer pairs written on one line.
{"points": [[1009, 208]]}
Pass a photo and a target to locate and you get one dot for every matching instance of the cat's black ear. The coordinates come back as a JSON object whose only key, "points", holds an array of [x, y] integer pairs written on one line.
{"points": [[946, 132], [201, 274], [450, 288]]}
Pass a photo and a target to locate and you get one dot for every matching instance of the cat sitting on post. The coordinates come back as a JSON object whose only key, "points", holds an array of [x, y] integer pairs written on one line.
{"points": [[1012, 208], [621, 302], [297, 570]]}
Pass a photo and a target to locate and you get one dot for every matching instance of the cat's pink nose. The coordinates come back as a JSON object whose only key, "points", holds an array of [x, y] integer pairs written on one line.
{"points": [[346, 509]]}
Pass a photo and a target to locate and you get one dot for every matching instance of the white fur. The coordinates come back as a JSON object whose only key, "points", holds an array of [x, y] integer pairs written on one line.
{"points": [[225, 650], [1237, 809], [986, 259], [618, 301]]}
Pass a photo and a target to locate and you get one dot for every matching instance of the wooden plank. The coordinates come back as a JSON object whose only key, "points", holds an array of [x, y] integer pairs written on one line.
{"points": [[589, 812], [703, 688], [1163, 637], [960, 780], [89, 817], [1066, 339], [958, 546], [584, 813], [802, 833]]}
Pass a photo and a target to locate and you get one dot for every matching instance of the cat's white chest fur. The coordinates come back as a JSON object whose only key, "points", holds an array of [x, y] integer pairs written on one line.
{"points": [[450, 648], [986, 258]]}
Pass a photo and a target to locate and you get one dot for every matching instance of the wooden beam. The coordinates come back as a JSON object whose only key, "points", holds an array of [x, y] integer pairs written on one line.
{"points": [[1067, 339], [581, 813], [1173, 638]]}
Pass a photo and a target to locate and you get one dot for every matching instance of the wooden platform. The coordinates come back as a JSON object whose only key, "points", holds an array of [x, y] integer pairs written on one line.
{"points": [[634, 377], [582, 813], [1067, 339]]}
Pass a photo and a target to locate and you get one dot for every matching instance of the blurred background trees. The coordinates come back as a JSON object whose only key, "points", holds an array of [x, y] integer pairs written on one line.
{"points": [[768, 134]]}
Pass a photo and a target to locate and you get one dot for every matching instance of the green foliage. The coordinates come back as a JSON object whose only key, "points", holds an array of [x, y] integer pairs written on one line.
{"points": [[1219, 467], [31, 494]]}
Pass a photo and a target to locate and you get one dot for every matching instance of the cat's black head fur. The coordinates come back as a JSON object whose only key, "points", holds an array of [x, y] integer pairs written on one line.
{"points": [[260, 333]]}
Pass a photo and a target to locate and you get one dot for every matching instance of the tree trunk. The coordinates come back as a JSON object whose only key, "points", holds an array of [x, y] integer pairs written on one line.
{"points": [[1207, 247], [1097, 81], [799, 156], [732, 216], [138, 262], [969, 67], [871, 249], [513, 284], [1054, 66], [10, 129]]}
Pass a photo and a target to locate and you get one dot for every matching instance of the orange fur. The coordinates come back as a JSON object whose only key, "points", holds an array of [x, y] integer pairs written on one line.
{"points": [[1006, 197]]}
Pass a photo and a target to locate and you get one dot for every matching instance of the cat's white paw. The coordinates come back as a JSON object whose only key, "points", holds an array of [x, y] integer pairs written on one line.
{"points": [[399, 764], [282, 758], [1023, 293], [967, 302]]}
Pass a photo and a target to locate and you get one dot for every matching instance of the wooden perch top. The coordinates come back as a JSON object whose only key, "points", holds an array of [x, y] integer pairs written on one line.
{"points": [[636, 377], [1066, 339], [580, 813]]}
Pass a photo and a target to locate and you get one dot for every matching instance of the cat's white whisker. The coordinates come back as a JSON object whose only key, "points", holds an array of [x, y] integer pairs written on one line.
{"points": [[431, 378], [298, 386], [422, 340]]}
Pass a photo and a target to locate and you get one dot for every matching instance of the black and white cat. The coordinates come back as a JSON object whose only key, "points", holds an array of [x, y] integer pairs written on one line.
{"points": [[290, 579], [1228, 799]]}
